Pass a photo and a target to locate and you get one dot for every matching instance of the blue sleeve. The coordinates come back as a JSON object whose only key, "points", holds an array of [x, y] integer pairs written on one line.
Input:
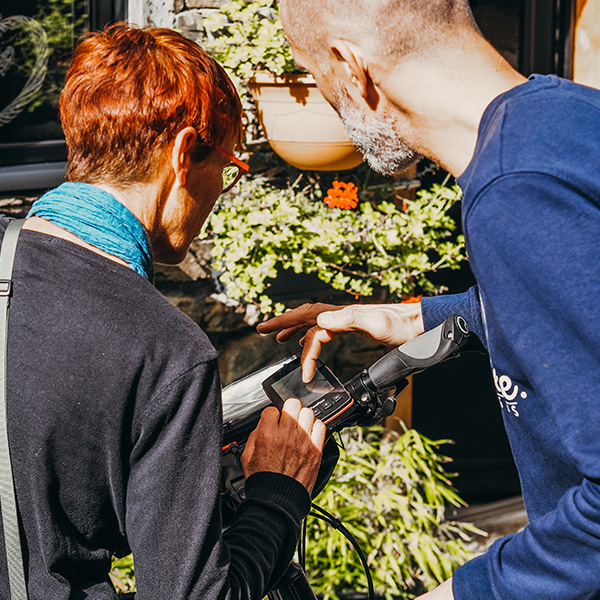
{"points": [[556, 557], [436, 309], [533, 248]]}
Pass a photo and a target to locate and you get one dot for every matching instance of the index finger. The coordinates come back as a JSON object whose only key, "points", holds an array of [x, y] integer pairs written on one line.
{"points": [[303, 316], [311, 348]]}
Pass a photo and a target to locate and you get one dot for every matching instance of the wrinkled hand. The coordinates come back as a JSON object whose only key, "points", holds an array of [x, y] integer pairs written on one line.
{"points": [[290, 443], [390, 324]]}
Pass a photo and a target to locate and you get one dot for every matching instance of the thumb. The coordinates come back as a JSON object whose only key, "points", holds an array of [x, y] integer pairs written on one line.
{"points": [[339, 320]]}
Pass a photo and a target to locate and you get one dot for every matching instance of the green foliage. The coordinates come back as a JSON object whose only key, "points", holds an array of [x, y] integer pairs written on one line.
{"points": [[261, 229], [246, 36], [391, 493], [122, 574]]}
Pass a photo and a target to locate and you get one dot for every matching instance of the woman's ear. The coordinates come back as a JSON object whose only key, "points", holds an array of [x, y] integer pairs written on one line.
{"points": [[181, 154]]}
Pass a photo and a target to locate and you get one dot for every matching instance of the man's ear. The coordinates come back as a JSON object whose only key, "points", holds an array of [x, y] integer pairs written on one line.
{"points": [[357, 70], [181, 154]]}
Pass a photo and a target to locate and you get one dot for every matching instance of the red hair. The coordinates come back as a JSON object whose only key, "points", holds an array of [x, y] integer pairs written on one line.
{"points": [[128, 93]]}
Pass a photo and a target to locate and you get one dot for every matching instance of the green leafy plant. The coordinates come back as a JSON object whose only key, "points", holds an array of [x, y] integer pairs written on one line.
{"points": [[391, 492], [122, 574], [385, 241], [246, 36]]}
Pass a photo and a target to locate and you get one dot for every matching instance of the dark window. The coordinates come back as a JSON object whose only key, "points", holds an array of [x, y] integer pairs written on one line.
{"points": [[37, 38], [535, 36]]}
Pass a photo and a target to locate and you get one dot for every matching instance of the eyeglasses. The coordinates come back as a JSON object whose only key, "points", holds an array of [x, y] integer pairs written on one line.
{"points": [[233, 171]]}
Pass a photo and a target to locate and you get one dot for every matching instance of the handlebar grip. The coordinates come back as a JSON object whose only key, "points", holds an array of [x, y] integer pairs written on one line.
{"points": [[416, 355]]}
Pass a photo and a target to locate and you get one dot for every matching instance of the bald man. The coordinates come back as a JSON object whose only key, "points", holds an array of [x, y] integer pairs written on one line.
{"points": [[416, 78]]}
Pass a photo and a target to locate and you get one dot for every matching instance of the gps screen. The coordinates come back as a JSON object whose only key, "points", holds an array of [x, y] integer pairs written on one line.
{"points": [[292, 386]]}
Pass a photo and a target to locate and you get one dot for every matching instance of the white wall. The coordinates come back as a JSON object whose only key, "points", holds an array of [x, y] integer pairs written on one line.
{"points": [[587, 43]]}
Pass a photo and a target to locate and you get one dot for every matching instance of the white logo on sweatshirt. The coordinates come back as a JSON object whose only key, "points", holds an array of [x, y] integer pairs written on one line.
{"points": [[508, 393]]}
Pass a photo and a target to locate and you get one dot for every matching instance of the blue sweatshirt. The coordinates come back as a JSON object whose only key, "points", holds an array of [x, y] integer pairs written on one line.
{"points": [[531, 216]]}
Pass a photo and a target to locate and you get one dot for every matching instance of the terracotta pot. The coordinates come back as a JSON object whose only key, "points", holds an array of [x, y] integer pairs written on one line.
{"points": [[300, 125]]}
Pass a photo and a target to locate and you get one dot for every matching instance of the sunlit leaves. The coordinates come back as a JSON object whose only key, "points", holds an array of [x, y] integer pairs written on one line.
{"points": [[259, 229], [122, 574], [391, 492], [246, 36]]}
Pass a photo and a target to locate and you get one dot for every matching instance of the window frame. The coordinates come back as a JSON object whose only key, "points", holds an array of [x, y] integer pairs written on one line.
{"points": [[548, 37]]}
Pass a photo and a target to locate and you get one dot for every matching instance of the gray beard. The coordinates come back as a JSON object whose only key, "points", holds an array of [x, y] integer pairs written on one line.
{"points": [[383, 149]]}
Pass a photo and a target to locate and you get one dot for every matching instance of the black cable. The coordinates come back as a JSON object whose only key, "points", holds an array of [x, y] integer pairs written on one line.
{"points": [[338, 440], [337, 524], [302, 546]]}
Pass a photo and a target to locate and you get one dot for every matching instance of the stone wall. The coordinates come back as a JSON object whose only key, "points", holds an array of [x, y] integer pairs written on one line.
{"points": [[183, 15]]}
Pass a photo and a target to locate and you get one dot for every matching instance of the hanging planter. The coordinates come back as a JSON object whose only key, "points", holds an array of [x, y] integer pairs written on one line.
{"points": [[247, 37], [300, 125]]}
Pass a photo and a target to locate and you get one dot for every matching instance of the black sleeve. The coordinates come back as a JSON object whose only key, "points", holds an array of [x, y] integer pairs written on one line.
{"points": [[173, 504]]}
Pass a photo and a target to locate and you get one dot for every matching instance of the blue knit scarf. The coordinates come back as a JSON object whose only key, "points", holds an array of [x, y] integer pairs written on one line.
{"points": [[98, 218]]}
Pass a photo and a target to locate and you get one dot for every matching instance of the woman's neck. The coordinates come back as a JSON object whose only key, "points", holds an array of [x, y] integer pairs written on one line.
{"points": [[43, 226]]}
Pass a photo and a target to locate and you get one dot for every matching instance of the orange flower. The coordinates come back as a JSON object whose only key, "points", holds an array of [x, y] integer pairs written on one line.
{"points": [[342, 195], [412, 299]]}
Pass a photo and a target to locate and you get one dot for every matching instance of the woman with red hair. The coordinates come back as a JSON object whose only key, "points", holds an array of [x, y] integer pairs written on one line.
{"points": [[113, 396]]}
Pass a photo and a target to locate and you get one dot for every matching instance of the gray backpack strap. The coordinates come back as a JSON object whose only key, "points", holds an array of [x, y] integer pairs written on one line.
{"points": [[8, 502]]}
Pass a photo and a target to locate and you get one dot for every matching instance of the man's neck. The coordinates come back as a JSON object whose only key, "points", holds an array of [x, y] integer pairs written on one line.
{"points": [[439, 102]]}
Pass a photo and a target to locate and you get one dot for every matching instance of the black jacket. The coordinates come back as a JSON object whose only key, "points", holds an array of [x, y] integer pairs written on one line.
{"points": [[115, 425]]}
